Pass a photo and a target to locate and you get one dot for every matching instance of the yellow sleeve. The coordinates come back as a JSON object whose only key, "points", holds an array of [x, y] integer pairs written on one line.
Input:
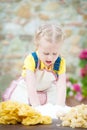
{"points": [[29, 64], [62, 68]]}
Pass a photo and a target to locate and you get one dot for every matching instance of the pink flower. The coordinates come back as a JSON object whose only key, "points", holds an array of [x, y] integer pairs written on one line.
{"points": [[79, 96], [83, 71], [77, 87], [69, 84], [83, 54]]}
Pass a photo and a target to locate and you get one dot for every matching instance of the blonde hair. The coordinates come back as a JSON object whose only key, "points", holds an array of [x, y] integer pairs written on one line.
{"points": [[51, 32]]}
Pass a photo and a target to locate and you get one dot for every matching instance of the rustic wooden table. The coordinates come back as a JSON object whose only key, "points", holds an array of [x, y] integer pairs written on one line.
{"points": [[53, 126]]}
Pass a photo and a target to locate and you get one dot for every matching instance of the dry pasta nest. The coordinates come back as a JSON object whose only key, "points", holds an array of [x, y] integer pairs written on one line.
{"points": [[76, 117], [14, 112]]}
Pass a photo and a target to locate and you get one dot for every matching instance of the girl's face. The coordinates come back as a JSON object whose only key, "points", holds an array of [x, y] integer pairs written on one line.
{"points": [[48, 52]]}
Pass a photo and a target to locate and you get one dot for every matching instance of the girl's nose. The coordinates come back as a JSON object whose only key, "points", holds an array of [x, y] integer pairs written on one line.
{"points": [[50, 57]]}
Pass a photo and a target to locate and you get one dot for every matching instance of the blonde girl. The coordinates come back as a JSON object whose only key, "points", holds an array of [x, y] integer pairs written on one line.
{"points": [[43, 78]]}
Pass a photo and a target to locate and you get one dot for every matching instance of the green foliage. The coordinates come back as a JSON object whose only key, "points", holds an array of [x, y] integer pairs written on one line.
{"points": [[84, 81], [68, 92], [72, 80], [84, 91], [84, 86], [82, 63]]}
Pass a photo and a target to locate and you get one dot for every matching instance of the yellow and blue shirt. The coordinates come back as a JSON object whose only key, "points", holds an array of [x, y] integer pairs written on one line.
{"points": [[31, 61]]}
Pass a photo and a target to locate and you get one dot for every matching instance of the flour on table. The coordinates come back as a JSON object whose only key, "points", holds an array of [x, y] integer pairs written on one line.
{"points": [[52, 110]]}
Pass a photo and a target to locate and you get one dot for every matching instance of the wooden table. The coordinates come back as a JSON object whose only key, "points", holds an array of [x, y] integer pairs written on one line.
{"points": [[53, 126]]}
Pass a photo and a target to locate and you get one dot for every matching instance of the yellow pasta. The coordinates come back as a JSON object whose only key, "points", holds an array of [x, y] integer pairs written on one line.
{"points": [[14, 112]]}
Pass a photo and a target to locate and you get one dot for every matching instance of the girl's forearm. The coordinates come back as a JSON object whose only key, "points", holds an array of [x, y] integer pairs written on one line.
{"points": [[61, 96], [31, 87], [61, 90]]}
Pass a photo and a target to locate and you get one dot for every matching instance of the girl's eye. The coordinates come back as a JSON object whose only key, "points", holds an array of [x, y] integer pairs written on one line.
{"points": [[54, 53], [46, 53]]}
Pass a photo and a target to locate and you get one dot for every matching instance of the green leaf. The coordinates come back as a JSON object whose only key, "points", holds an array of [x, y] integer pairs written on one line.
{"points": [[72, 80], [84, 91], [83, 63], [68, 90], [84, 81]]}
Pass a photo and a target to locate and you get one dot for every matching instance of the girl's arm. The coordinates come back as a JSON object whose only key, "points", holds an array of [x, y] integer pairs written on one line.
{"points": [[31, 84], [61, 89]]}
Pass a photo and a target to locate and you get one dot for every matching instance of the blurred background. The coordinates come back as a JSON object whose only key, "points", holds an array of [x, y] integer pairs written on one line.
{"points": [[18, 21]]}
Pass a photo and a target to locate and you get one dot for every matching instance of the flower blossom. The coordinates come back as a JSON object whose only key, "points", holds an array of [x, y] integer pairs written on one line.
{"points": [[77, 87], [79, 96], [83, 71], [83, 54]]}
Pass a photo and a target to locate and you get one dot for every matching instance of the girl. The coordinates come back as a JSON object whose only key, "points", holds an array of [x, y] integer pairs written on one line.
{"points": [[43, 76]]}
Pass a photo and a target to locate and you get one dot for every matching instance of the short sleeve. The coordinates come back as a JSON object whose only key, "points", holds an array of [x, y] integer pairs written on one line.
{"points": [[62, 68], [29, 64]]}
